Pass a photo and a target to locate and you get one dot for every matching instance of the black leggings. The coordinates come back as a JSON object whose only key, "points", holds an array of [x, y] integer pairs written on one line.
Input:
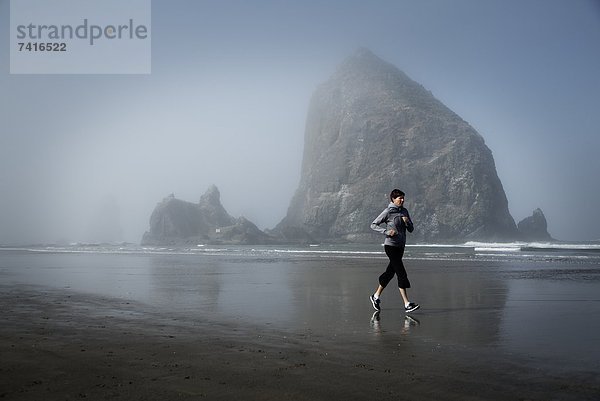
{"points": [[395, 266]]}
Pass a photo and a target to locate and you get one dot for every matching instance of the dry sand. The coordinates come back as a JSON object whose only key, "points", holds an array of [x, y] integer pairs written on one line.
{"points": [[65, 345]]}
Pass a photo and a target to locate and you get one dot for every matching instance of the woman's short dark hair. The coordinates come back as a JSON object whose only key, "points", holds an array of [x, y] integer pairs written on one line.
{"points": [[396, 193]]}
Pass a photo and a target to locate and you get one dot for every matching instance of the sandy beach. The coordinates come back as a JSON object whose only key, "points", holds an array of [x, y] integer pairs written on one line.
{"points": [[239, 328]]}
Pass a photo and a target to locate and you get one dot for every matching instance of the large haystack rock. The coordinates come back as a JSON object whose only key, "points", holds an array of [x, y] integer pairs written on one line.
{"points": [[370, 128]]}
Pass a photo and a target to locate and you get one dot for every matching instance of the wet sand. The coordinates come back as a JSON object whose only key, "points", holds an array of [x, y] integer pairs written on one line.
{"points": [[62, 343]]}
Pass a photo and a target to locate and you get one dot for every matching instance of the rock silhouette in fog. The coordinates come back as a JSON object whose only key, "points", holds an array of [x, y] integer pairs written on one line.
{"points": [[369, 129], [534, 227], [177, 222]]}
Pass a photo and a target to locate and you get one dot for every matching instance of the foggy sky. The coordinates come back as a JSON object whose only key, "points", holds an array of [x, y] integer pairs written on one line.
{"points": [[227, 99]]}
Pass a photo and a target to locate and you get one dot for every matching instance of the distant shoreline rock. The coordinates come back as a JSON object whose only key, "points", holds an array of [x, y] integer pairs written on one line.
{"points": [[535, 227], [177, 222]]}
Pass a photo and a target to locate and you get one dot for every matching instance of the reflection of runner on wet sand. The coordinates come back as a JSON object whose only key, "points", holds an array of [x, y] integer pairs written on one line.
{"points": [[375, 322], [409, 322]]}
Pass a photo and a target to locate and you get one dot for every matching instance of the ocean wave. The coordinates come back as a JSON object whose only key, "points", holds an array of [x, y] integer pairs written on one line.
{"points": [[542, 246], [469, 250], [532, 246], [512, 246]]}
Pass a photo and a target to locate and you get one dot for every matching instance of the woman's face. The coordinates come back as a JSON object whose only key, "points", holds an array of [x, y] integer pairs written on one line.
{"points": [[399, 201]]}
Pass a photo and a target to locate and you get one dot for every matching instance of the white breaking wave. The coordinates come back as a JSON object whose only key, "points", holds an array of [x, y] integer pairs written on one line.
{"points": [[563, 246], [521, 246], [496, 246]]}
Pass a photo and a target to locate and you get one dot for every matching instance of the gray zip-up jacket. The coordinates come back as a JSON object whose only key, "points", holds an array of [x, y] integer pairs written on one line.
{"points": [[391, 218]]}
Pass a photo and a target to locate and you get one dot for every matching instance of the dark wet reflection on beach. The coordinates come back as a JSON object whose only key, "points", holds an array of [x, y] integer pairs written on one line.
{"points": [[522, 308]]}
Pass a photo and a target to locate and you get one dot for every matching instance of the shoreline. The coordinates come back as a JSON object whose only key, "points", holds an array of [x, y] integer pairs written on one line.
{"points": [[59, 344]]}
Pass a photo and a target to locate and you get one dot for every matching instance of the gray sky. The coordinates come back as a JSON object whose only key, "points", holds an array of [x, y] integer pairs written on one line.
{"points": [[227, 99]]}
